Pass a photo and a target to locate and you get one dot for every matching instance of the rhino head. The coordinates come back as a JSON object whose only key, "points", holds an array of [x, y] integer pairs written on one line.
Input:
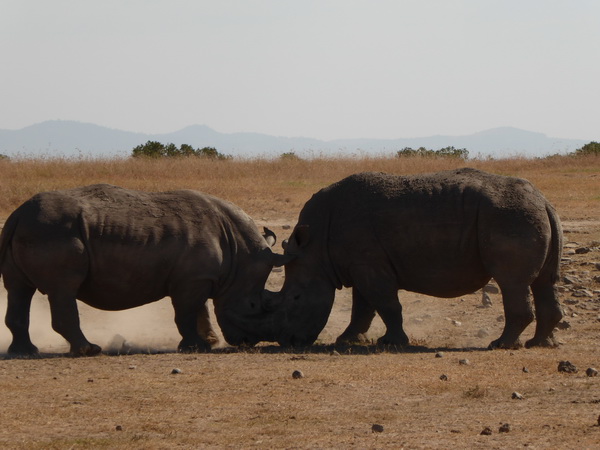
{"points": [[243, 309], [304, 303]]}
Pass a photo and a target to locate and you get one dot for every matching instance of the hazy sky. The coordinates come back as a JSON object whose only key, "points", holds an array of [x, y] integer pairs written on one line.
{"points": [[316, 68]]}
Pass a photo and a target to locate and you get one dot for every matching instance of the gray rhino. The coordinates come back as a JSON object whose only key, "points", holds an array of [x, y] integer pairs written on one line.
{"points": [[115, 249], [443, 234]]}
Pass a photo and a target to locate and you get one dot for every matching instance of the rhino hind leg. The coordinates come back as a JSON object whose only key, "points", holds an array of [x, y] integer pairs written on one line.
{"points": [[17, 320], [518, 315], [363, 314], [65, 321], [548, 313]]}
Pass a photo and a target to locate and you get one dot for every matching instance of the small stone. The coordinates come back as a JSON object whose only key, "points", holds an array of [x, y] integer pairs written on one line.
{"points": [[482, 333], [132, 367], [90, 380], [119, 428], [504, 428], [456, 323], [286, 227], [564, 325], [296, 374], [583, 293], [525, 370], [567, 367], [591, 372], [439, 355], [487, 431], [486, 301], [516, 396], [444, 377], [500, 319], [491, 289], [582, 250], [376, 428], [464, 362], [335, 353], [175, 371]]}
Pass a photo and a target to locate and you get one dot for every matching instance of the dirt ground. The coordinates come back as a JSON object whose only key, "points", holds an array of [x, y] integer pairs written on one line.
{"points": [[442, 392]]}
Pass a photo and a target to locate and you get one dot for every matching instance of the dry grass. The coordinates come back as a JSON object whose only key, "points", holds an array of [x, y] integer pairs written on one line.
{"points": [[248, 399], [281, 186]]}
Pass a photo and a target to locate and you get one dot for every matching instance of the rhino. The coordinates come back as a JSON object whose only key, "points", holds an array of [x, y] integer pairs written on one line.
{"points": [[115, 248], [444, 234]]}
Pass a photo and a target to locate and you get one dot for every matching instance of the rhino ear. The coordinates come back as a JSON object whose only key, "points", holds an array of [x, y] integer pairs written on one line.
{"points": [[301, 235], [269, 237]]}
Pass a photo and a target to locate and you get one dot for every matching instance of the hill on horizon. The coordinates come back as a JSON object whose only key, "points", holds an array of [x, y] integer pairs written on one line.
{"points": [[64, 138]]}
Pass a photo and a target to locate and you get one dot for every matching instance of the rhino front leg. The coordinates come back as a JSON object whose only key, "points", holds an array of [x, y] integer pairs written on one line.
{"points": [[190, 309], [65, 321], [363, 313], [380, 290], [205, 328]]}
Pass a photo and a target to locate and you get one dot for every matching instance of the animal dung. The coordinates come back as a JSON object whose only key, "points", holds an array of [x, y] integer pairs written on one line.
{"points": [[567, 367], [296, 374], [377, 428], [504, 428], [487, 431], [591, 372]]}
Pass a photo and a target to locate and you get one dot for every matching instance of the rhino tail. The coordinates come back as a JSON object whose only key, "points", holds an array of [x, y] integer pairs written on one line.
{"points": [[552, 265], [7, 233]]}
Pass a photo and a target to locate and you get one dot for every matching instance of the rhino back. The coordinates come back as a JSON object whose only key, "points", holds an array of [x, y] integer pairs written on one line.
{"points": [[136, 244], [430, 230]]}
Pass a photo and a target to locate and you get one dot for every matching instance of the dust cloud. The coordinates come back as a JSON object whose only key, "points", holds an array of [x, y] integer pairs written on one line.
{"points": [[150, 328]]}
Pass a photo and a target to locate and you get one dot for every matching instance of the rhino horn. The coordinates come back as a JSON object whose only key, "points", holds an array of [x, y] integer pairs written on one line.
{"points": [[269, 237], [275, 259]]}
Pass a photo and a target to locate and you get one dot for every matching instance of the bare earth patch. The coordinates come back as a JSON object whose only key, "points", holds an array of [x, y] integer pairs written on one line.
{"points": [[440, 393], [426, 396]]}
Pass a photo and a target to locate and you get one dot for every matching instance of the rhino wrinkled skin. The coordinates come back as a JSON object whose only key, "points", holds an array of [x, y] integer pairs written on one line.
{"points": [[443, 234], [115, 249]]}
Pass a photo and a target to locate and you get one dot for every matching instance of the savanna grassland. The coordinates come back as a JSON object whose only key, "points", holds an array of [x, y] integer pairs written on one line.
{"points": [[129, 397]]}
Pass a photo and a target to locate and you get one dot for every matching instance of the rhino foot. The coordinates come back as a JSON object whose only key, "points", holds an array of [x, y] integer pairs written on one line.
{"points": [[345, 339], [86, 350], [198, 346], [549, 342], [20, 349], [504, 344], [400, 340]]}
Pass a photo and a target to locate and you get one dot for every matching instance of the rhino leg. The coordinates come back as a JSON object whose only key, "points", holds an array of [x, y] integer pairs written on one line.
{"points": [[17, 319], [205, 328], [380, 290], [362, 316], [189, 305], [65, 321], [548, 313], [518, 315]]}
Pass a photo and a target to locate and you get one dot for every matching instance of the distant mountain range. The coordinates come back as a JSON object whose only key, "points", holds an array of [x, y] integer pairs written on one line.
{"points": [[70, 138]]}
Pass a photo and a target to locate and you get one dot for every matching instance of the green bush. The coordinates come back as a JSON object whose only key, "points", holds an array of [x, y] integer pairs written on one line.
{"points": [[154, 149], [593, 148], [446, 152], [289, 156]]}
